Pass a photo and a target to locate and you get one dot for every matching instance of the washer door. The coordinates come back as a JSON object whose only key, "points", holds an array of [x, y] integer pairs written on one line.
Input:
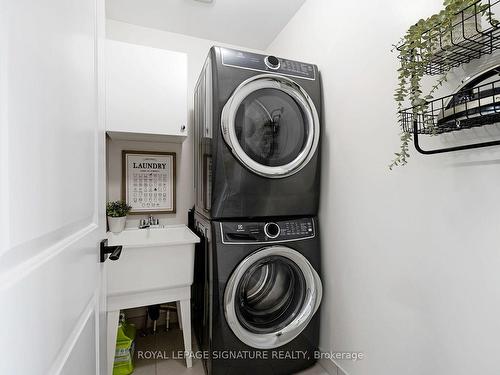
{"points": [[271, 297], [271, 125]]}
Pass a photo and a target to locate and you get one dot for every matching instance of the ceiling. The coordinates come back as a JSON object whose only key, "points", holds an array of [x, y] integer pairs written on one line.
{"points": [[247, 23]]}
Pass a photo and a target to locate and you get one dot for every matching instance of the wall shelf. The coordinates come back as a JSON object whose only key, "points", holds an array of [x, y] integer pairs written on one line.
{"points": [[145, 137], [474, 33], [468, 108]]}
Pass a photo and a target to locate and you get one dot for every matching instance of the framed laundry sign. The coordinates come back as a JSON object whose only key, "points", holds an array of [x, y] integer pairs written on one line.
{"points": [[148, 181]]}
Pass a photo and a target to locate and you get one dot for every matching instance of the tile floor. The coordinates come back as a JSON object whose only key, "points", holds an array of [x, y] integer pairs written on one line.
{"points": [[172, 341]]}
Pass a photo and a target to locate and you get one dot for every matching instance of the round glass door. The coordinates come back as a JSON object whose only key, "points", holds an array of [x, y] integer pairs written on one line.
{"points": [[271, 297], [271, 126]]}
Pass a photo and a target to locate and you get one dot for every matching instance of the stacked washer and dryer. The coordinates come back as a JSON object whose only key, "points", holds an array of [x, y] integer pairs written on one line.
{"points": [[257, 171]]}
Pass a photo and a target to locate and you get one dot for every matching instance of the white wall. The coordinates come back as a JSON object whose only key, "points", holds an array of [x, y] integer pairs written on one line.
{"points": [[197, 50], [411, 260]]}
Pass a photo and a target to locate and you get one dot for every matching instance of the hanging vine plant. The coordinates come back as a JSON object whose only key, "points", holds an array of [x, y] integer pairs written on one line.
{"points": [[459, 19]]}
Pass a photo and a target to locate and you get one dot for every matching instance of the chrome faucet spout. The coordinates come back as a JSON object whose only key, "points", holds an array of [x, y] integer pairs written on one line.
{"points": [[149, 222]]}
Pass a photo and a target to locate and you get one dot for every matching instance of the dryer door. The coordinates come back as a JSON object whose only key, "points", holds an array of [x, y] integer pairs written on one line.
{"points": [[271, 297], [271, 125]]}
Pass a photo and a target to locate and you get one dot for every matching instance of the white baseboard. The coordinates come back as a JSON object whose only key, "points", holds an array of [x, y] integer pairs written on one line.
{"points": [[341, 370], [331, 367], [328, 366]]}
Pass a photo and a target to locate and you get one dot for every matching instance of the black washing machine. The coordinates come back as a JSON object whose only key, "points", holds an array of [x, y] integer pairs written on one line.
{"points": [[261, 294], [257, 136]]}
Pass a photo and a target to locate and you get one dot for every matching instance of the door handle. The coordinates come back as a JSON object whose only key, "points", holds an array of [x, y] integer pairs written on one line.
{"points": [[115, 251]]}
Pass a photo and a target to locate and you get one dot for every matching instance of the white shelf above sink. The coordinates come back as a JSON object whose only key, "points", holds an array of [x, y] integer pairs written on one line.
{"points": [[145, 137]]}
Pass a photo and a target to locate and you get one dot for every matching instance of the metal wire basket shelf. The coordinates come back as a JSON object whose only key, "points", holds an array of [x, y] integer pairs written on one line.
{"points": [[466, 109], [473, 33]]}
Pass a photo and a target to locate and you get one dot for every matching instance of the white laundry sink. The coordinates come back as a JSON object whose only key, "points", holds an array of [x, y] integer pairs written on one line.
{"points": [[151, 259], [156, 266]]}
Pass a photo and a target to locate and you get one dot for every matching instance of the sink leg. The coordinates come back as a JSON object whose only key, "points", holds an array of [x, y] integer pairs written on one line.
{"points": [[145, 330], [179, 318], [185, 313], [112, 330]]}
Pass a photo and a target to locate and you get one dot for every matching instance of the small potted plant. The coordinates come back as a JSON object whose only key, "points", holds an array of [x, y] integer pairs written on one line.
{"points": [[117, 215]]}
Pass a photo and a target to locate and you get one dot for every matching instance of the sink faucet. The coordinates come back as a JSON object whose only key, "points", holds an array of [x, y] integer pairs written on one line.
{"points": [[149, 222]]}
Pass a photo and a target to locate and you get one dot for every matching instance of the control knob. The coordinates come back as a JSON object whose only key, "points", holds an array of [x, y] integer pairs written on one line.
{"points": [[272, 230], [272, 62]]}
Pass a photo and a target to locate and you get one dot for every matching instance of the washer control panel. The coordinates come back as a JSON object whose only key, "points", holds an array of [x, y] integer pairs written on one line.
{"points": [[271, 64], [271, 231]]}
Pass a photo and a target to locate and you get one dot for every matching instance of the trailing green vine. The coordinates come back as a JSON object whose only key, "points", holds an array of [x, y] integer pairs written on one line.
{"points": [[416, 51]]}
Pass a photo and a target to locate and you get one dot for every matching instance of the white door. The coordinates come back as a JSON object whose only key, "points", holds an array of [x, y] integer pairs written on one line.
{"points": [[51, 186]]}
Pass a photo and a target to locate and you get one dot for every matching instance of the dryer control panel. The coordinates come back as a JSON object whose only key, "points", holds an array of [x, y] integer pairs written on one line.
{"points": [[267, 232], [269, 64]]}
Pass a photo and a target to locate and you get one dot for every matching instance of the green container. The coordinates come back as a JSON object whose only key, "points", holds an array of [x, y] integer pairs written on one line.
{"points": [[125, 344]]}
